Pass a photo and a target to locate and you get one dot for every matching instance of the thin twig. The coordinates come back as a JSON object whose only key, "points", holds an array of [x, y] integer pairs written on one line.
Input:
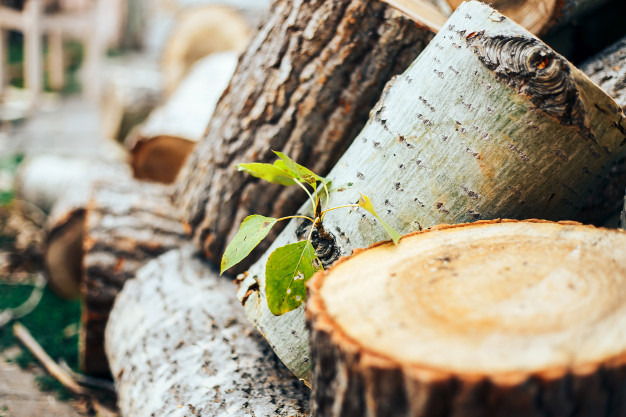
{"points": [[88, 381], [24, 336]]}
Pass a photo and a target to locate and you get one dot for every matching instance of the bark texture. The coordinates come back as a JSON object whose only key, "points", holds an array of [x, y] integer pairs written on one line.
{"points": [[608, 70], [518, 133], [127, 224], [304, 86], [179, 345], [159, 146], [456, 322]]}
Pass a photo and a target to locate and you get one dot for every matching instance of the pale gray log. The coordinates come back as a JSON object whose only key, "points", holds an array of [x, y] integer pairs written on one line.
{"points": [[179, 345]]}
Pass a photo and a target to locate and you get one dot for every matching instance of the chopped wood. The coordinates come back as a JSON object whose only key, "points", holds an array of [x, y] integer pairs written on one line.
{"points": [[497, 143], [491, 318], [24, 336], [179, 344], [127, 224], [160, 145]]}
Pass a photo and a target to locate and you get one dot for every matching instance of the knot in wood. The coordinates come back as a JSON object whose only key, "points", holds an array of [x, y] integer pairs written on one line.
{"points": [[323, 242], [534, 70]]}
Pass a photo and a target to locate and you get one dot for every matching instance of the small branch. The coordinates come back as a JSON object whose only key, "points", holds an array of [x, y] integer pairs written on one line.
{"points": [[24, 336], [88, 381]]}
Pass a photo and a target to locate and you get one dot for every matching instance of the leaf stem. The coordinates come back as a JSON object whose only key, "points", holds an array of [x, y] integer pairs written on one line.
{"points": [[296, 217], [338, 207], [327, 194], [306, 191]]}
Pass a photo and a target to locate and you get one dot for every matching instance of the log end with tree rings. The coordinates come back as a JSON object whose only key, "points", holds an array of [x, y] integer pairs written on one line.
{"points": [[491, 318]]}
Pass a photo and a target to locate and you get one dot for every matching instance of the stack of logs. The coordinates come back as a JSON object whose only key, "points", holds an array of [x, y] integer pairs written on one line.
{"points": [[481, 120]]}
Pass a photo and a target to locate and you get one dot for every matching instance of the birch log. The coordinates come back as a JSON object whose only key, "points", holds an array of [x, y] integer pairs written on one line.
{"points": [[608, 70], [127, 224], [487, 319], [159, 146], [179, 345], [488, 122], [304, 86]]}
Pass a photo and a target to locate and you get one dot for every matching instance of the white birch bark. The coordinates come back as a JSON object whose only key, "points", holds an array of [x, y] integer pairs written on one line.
{"points": [[488, 122], [179, 345]]}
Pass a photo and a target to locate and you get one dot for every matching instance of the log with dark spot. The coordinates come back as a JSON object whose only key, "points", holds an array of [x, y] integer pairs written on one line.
{"points": [[127, 224], [305, 87]]}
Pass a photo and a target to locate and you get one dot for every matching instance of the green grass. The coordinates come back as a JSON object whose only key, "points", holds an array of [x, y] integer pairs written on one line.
{"points": [[8, 164], [46, 323]]}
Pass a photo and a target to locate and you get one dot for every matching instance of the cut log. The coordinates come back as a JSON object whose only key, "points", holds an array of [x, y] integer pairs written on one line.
{"points": [[608, 70], [201, 31], [179, 344], [72, 180], [44, 179], [501, 142], [305, 86], [491, 318], [160, 145], [133, 86], [127, 224]]}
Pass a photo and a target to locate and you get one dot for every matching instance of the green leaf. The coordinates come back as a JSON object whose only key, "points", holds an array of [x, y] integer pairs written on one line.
{"points": [[286, 273], [366, 203], [298, 171], [251, 232], [268, 172]]}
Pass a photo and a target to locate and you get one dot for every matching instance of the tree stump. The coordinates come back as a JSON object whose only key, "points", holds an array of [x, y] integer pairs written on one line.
{"points": [[491, 318], [518, 133], [159, 146], [311, 74], [127, 224], [179, 344]]}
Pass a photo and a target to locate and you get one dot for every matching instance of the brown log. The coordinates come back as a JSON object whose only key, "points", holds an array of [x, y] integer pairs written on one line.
{"points": [[311, 74], [201, 31], [127, 223], [67, 182], [499, 318], [160, 145], [608, 70]]}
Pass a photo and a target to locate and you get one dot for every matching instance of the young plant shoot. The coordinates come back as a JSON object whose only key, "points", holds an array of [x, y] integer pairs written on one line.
{"points": [[288, 267]]}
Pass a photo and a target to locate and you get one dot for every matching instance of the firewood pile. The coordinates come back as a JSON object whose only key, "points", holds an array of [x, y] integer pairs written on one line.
{"points": [[499, 161]]}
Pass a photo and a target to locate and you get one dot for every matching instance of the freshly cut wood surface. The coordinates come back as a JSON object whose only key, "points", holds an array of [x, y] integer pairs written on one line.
{"points": [[305, 85], [201, 31], [494, 318], [179, 345], [488, 122], [160, 145], [127, 224]]}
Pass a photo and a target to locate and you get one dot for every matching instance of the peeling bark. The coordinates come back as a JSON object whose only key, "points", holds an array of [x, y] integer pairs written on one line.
{"points": [[456, 322], [489, 147], [127, 224], [305, 86], [179, 345]]}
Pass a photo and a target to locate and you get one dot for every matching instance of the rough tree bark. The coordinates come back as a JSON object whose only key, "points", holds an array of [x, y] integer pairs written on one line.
{"points": [[518, 133], [127, 223], [179, 345], [456, 322], [304, 86], [608, 70], [160, 145]]}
